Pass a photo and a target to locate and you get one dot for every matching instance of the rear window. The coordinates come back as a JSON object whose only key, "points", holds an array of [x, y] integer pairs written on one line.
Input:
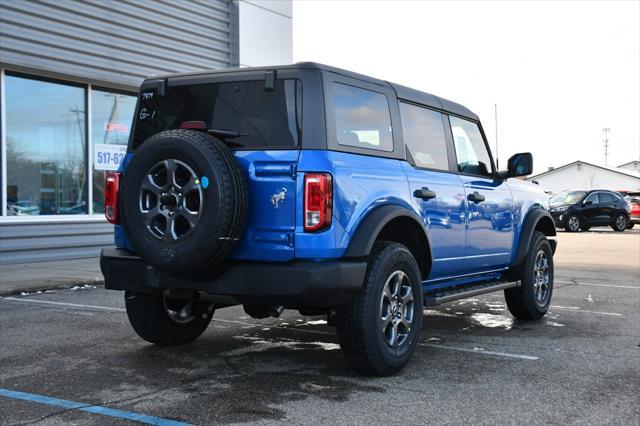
{"points": [[362, 118], [252, 116], [605, 197]]}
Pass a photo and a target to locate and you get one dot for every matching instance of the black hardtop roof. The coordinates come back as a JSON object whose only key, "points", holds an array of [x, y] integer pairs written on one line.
{"points": [[433, 101], [403, 92]]}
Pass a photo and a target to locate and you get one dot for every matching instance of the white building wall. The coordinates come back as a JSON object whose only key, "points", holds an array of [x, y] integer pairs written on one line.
{"points": [[585, 176], [265, 32]]}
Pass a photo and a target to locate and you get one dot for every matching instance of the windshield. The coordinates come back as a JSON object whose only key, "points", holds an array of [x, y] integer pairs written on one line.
{"points": [[567, 197], [249, 114]]}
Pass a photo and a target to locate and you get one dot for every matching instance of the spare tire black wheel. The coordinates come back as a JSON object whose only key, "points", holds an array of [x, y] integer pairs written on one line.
{"points": [[183, 201]]}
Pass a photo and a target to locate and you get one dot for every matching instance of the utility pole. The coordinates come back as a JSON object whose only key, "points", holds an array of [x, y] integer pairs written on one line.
{"points": [[605, 142], [495, 106]]}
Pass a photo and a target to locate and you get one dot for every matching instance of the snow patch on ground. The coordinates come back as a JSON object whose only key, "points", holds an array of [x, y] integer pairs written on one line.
{"points": [[83, 287]]}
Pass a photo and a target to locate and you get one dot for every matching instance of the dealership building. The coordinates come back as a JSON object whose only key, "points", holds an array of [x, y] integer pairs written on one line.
{"points": [[69, 73], [584, 175]]}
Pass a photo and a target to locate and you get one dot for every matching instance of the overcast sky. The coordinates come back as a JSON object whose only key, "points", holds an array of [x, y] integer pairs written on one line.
{"points": [[559, 72]]}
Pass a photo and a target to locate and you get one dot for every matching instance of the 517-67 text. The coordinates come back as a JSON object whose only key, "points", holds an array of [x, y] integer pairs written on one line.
{"points": [[109, 157]]}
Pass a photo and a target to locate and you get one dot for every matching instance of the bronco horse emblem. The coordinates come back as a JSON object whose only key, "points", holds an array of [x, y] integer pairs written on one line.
{"points": [[278, 197]]}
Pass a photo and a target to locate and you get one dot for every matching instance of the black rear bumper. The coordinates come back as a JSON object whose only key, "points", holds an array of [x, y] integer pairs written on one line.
{"points": [[292, 284]]}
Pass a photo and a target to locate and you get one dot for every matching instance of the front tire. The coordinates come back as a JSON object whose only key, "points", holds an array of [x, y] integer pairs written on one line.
{"points": [[167, 322], [619, 223], [378, 329], [573, 223], [531, 300]]}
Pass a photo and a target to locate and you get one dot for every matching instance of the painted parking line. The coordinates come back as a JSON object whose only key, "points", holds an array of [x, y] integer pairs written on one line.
{"points": [[580, 310], [94, 409], [71, 305], [598, 285], [479, 351], [113, 309]]}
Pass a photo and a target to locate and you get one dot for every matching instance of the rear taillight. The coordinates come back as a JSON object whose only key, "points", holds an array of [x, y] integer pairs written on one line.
{"points": [[111, 187], [318, 200]]}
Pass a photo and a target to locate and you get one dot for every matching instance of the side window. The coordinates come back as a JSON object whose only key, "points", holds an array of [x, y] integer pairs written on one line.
{"points": [[471, 152], [362, 118], [424, 136], [593, 198], [605, 197]]}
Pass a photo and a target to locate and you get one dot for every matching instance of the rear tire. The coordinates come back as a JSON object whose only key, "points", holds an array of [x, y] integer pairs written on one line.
{"points": [[378, 329], [619, 223], [531, 300], [572, 223], [158, 320]]}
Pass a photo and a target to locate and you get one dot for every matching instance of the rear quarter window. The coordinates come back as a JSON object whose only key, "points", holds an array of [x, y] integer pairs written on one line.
{"points": [[362, 118]]}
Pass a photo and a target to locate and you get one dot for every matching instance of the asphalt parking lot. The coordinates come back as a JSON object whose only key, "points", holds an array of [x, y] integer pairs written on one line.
{"points": [[474, 363]]}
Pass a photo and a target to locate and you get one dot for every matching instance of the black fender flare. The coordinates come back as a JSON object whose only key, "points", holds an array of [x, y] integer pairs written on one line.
{"points": [[534, 217], [366, 233]]}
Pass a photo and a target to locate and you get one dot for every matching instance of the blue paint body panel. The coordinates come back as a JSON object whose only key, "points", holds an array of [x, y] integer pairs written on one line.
{"points": [[526, 198], [489, 224], [119, 236], [360, 184], [443, 216], [269, 233]]}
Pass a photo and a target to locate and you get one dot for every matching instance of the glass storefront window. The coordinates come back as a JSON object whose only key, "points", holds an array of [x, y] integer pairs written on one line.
{"points": [[46, 147], [111, 118]]}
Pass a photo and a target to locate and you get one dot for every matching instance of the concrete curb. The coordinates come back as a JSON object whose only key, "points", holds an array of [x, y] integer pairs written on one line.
{"points": [[51, 275], [47, 285]]}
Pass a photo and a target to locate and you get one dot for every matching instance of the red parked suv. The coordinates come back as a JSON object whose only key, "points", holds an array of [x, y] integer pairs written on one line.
{"points": [[633, 198]]}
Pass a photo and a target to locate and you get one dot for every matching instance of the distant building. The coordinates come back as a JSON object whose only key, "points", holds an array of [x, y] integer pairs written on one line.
{"points": [[631, 165], [583, 175]]}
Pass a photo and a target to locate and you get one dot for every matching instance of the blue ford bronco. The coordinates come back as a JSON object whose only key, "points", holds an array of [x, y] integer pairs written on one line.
{"points": [[313, 188]]}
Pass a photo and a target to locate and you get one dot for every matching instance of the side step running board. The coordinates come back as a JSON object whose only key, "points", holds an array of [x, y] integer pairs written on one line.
{"points": [[443, 295]]}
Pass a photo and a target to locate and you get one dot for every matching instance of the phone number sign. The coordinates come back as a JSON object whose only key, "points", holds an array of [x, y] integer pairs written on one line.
{"points": [[108, 157]]}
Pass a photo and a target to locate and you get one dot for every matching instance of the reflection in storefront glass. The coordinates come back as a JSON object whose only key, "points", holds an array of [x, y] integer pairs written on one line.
{"points": [[111, 117], [46, 148]]}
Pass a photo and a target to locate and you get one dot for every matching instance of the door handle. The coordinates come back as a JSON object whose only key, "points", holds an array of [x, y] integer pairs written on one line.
{"points": [[475, 197], [424, 193]]}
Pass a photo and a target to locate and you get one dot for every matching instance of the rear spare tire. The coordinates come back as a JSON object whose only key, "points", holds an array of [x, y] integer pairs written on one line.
{"points": [[183, 201]]}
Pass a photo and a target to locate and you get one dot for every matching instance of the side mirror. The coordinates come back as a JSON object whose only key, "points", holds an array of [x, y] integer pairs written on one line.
{"points": [[519, 165]]}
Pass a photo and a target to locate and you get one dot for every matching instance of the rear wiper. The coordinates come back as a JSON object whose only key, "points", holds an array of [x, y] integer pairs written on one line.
{"points": [[227, 133], [227, 136]]}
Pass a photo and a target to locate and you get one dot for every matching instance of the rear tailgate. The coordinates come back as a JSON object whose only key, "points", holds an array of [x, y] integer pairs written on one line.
{"points": [[270, 230]]}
